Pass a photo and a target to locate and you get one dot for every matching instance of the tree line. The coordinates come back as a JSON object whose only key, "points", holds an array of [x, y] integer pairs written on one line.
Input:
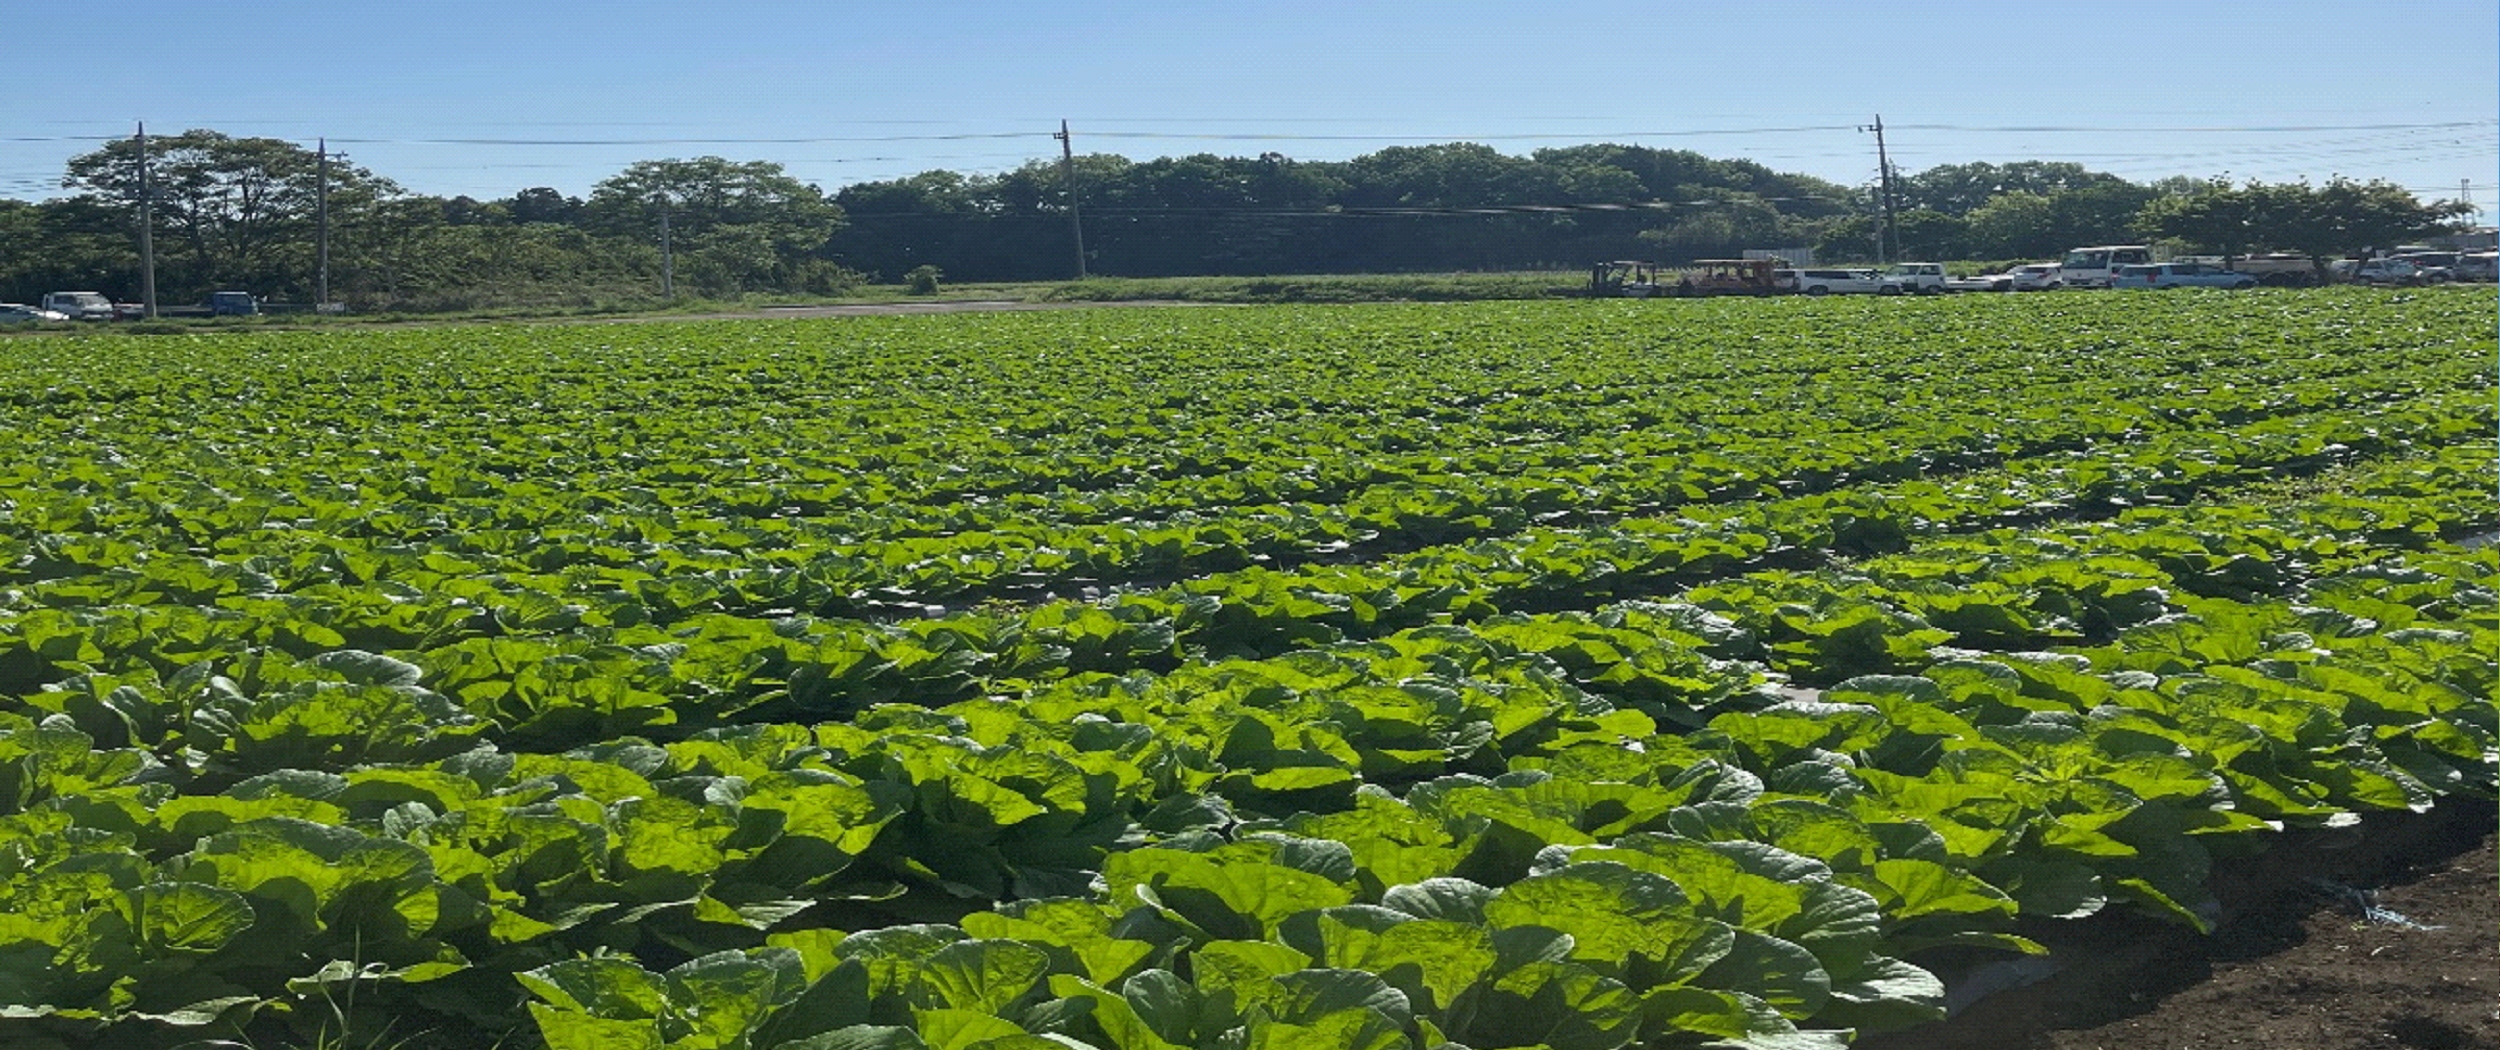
{"points": [[239, 212]]}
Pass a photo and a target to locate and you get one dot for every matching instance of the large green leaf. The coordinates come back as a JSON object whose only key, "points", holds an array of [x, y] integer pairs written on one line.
{"points": [[1564, 1006], [1614, 913], [1228, 900]]}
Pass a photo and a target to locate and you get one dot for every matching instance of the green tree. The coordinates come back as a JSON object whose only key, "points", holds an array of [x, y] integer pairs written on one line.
{"points": [[230, 211], [2218, 217], [543, 204], [2019, 225], [734, 226], [2347, 217], [1959, 189]]}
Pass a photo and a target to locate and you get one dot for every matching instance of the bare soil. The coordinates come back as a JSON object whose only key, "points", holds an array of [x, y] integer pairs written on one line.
{"points": [[2291, 966]]}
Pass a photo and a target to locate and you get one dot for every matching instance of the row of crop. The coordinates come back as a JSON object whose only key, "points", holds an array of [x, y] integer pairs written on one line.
{"points": [[560, 665], [71, 528], [218, 722], [1989, 790], [344, 505], [573, 405], [67, 528]]}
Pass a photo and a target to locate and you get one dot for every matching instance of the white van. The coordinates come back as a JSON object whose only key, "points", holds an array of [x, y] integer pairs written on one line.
{"points": [[2091, 267], [80, 306]]}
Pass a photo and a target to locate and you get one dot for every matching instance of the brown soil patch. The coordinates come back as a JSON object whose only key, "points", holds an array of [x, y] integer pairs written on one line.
{"points": [[2291, 967]]}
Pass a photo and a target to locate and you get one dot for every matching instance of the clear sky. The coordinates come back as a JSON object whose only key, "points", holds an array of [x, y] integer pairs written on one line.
{"points": [[486, 98]]}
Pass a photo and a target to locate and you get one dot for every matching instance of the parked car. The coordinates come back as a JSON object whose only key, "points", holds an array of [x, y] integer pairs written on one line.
{"points": [[2392, 271], [1838, 282], [1922, 278], [80, 306], [2179, 275], [1986, 282], [2092, 267], [2436, 267], [20, 313], [2478, 266], [2037, 277]]}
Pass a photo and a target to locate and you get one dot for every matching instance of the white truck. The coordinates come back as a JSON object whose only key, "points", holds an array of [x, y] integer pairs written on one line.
{"points": [[1914, 278], [80, 306], [2092, 267], [1830, 281]]}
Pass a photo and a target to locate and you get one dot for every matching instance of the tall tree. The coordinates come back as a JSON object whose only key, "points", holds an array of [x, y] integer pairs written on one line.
{"points": [[543, 204], [232, 210], [737, 226], [2218, 217], [2347, 217], [1959, 189]]}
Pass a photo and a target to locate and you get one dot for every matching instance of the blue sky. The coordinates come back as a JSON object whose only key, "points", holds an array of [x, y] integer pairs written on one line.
{"points": [[465, 97]]}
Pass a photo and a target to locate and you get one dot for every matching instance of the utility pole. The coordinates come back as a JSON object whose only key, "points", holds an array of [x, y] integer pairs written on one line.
{"points": [[321, 216], [668, 259], [1883, 168], [1067, 174], [147, 229]]}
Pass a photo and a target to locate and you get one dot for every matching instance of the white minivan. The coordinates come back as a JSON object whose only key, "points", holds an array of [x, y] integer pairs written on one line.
{"points": [[2091, 267]]}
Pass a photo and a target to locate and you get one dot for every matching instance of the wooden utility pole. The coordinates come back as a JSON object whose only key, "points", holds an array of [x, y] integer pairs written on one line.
{"points": [[321, 217], [147, 229], [1067, 175], [1883, 169], [668, 259]]}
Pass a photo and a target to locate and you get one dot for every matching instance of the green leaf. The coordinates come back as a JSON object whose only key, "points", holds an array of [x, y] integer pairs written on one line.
{"points": [[1562, 1006], [1431, 961], [1167, 1004], [1080, 927], [1252, 965], [1782, 974], [986, 976], [860, 1037], [1453, 899], [1306, 996], [720, 998], [569, 1030], [1612, 913], [1227, 900], [961, 1029], [188, 917], [1112, 1014], [836, 999], [1883, 995], [1916, 888], [604, 987]]}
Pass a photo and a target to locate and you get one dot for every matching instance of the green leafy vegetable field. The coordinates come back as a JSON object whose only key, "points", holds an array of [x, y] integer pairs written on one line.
{"points": [[1577, 674]]}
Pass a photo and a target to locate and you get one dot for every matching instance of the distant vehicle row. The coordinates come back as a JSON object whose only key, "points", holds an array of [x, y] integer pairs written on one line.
{"points": [[2105, 266], [95, 306]]}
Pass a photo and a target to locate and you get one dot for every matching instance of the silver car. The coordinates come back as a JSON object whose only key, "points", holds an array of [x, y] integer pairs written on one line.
{"points": [[20, 313]]}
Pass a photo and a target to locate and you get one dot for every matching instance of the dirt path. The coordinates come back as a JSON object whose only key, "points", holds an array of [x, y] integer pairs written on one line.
{"points": [[2293, 968]]}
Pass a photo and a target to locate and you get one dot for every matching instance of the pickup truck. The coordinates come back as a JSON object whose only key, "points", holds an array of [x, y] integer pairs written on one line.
{"points": [[1838, 282], [80, 306], [2394, 271], [2180, 275], [1921, 278]]}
